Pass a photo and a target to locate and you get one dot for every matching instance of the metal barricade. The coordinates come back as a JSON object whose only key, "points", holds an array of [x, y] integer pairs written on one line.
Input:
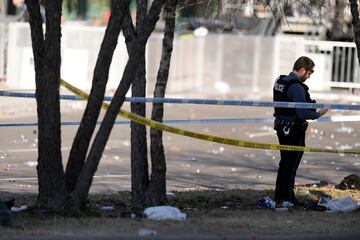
{"points": [[215, 63]]}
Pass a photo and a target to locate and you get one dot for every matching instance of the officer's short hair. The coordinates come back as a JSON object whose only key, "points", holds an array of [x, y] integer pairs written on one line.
{"points": [[303, 62]]}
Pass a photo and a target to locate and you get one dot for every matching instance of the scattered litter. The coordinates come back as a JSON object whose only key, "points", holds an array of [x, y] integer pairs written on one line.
{"points": [[233, 169], [319, 184], [170, 195], [126, 143], [174, 149], [197, 170], [214, 151], [144, 232], [221, 149], [304, 191], [31, 163], [116, 157], [287, 204], [10, 167], [344, 204], [164, 213], [351, 181], [265, 202], [261, 134], [19, 209], [22, 141], [3, 155], [266, 128], [313, 206], [344, 129], [191, 158], [132, 215], [345, 147]]}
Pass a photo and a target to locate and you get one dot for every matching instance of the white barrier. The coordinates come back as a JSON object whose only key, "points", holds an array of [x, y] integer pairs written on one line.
{"points": [[216, 63]]}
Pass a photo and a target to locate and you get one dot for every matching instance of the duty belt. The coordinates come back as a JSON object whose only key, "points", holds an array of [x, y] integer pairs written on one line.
{"points": [[289, 121]]}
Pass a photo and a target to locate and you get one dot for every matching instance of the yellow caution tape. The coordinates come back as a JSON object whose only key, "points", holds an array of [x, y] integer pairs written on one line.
{"points": [[211, 138]]}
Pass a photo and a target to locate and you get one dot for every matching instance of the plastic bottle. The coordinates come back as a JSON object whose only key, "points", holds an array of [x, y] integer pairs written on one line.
{"points": [[266, 202], [287, 204]]}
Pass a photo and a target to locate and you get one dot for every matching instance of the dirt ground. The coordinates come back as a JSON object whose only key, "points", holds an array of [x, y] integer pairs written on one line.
{"points": [[214, 213]]}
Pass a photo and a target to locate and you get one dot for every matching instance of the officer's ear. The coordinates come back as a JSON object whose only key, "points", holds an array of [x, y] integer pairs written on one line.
{"points": [[302, 71]]}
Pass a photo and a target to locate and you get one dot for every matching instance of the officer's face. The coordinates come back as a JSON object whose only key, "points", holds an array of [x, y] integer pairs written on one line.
{"points": [[305, 73]]}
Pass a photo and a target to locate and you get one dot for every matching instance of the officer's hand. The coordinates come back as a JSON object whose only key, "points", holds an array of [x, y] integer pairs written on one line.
{"points": [[323, 111]]}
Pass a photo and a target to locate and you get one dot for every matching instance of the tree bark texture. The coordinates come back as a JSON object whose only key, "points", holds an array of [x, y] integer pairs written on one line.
{"points": [[101, 74], [139, 160], [336, 30], [356, 25], [86, 176], [52, 190], [157, 187]]}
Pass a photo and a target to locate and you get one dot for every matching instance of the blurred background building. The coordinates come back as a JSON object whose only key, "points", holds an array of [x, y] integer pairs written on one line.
{"points": [[240, 46]]}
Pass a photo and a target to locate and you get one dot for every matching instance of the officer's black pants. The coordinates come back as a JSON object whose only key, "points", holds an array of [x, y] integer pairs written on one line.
{"points": [[289, 164]]}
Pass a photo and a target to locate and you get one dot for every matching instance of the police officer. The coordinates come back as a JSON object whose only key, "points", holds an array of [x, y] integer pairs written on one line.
{"points": [[290, 125]]}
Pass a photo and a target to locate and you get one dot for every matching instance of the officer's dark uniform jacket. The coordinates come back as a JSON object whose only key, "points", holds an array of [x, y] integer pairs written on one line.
{"points": [[290, 125], [288, 116]]}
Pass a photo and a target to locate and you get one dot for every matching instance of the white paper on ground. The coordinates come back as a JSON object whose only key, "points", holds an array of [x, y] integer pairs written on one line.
{"points": [[344, 204], [164, 213]]}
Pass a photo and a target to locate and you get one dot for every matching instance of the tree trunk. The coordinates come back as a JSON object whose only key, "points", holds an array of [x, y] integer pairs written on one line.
{"points": [[101, 74], [336, 30], [356, 25], [52, 191], [139, 161], [157, 187], [86, 176], [81, 9]]}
